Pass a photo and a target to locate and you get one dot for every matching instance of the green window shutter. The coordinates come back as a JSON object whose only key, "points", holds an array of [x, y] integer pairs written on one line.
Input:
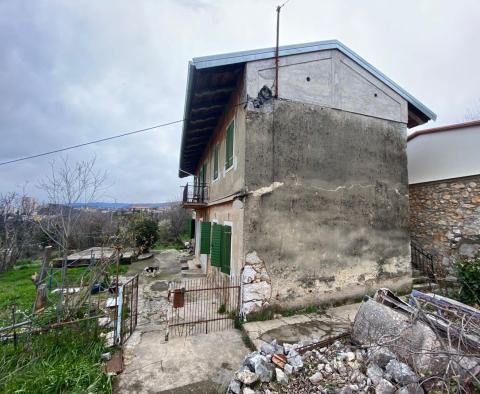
{"points": [[215, 162], [229, 146], [216, 245], [205, 238], [192, 228], [226, 249]]}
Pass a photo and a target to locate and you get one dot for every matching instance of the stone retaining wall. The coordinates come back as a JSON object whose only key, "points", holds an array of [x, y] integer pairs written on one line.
{"points": [[445, 218]]}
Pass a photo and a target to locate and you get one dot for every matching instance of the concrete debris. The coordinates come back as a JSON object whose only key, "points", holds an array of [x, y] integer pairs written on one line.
{"points": [[282, 378], [380, 355], [246, 377], [375, 373], [235, 387], [338, 367], [106, 356], [401, 372], [384, 387], [388, 352]]}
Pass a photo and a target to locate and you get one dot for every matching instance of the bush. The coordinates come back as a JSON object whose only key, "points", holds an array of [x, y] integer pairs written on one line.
{"points": [[145, 233], [468, 272]]}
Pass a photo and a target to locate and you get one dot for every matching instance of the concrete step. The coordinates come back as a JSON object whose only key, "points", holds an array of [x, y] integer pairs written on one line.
{"points": [[416, 272], [420, 279], [425, 287], [193, 274]]}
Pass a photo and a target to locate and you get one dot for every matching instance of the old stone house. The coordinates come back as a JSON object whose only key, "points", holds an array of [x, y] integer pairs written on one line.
{"points": [[305, 193], [444, 177]]}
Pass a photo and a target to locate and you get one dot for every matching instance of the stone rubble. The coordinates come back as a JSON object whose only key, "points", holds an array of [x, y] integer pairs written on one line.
{"points": [[338, 368]]}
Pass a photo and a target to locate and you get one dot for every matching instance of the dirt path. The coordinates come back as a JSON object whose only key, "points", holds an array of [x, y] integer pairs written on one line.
{"points": [[182, 365]]}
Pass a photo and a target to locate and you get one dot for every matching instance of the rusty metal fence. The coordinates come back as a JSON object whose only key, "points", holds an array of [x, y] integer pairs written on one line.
{"points": [[127, 312], [203, 305]]}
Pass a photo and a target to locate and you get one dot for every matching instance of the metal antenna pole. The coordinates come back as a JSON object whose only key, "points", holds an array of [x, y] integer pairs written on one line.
{"points": [[276, 52]]}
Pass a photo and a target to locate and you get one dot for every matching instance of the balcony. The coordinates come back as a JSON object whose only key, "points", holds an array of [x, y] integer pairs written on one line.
{"points": [[195, 196]]}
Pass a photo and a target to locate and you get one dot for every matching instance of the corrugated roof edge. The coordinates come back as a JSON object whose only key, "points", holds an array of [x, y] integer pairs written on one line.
{"points": [[450, 127], [268, 53]]}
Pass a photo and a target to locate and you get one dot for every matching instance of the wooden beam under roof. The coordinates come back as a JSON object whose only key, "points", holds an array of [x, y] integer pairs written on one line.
{"points": [[206, 93]]}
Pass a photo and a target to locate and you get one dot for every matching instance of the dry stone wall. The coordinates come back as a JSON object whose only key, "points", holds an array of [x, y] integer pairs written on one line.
{"points": [[256, 285], [445, 219]]}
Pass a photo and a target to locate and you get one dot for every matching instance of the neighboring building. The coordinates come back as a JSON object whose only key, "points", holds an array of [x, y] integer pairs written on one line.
{"points": [[444, 177], [307, 193]]}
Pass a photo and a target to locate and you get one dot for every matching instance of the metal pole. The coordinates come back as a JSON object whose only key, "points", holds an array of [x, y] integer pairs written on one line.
{"points": [[276, 52], [116, 297], [14, 309]]}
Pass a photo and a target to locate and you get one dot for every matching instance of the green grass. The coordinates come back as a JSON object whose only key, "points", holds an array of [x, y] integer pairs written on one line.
{"points": [[59, 361], [171, 244], [17, 287]]}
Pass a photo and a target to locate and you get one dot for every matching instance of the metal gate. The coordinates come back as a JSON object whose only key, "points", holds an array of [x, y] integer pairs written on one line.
{"points": [[203, 305], [126, 315]]}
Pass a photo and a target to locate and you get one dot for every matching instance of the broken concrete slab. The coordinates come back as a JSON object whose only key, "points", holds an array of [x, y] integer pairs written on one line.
{"points": [[294, 329], [376, 324]]}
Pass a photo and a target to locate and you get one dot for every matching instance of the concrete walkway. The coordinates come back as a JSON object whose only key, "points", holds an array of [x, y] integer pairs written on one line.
{"points": [[184, 365], [197, 364], [297, 328]]}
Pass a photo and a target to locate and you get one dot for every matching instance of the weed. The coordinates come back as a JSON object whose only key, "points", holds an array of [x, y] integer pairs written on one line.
{"points": [[222, 309], [65, 360], [468, 272]]}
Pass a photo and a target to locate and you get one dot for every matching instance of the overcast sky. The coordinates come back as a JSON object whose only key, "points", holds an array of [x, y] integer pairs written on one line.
{"points": [[73, 71]]}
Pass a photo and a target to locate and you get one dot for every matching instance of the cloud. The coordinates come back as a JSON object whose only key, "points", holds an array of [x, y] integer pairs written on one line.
{"points": [[71, 72]]}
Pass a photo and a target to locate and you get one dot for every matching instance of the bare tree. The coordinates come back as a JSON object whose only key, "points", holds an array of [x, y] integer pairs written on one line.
{"points": [[67, 186]]}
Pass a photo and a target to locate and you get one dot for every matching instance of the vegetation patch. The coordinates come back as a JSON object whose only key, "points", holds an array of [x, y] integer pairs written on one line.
{"points": [[58, 361], [468, 272]]}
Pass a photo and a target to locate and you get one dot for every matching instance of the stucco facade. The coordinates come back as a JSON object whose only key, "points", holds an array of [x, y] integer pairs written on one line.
{"points": [[318, 195]]}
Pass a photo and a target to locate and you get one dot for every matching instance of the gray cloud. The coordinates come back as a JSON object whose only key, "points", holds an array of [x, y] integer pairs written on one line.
{"points": [[75, 71]]}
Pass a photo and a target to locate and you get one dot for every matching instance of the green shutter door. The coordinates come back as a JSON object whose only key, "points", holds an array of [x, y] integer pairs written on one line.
{"points": [[216, 245], [226, 248], [205, 238], [192, 228]]}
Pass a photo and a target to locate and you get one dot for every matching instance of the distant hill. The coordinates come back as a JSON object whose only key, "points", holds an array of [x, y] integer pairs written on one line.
{"points": [[121, 205]]}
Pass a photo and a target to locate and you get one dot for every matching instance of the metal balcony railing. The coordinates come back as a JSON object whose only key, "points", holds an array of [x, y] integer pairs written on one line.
{"points": [[195, 194]]}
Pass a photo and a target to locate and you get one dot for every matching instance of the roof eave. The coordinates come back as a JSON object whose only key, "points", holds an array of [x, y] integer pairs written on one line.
{"points": [[268, 53], [186, 116]]}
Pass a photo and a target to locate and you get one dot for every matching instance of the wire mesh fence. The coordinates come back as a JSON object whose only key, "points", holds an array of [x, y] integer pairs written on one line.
{"points": [[203, 305]]}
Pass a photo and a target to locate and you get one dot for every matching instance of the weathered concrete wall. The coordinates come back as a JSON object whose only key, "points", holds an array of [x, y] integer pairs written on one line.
{"points": [[327, 209], [445, 219], [330, 79]]}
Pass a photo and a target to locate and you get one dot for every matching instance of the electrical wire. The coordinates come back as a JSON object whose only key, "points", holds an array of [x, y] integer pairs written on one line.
{"points": [[89, 143]]}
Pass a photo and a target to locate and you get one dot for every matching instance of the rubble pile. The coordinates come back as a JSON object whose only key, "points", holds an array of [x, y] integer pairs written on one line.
{"points": [[337, 368]]}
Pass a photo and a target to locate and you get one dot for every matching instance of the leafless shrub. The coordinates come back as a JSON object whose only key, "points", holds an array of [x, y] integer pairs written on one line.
{"points": [[16, 231]]}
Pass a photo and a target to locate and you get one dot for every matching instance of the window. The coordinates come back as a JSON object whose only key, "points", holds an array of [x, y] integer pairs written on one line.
{"points": [[229, 146], [221, 247], [215, 162], [205, 228]]}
